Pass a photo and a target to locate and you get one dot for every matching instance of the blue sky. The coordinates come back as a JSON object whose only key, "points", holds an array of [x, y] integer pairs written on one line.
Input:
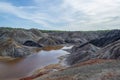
{"points": [[68, 15]]}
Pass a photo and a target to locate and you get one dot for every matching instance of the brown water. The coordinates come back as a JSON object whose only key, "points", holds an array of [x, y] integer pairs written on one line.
{"points": [[18, 68]]}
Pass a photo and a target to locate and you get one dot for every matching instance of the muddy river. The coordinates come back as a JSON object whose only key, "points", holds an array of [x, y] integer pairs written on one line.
{"points": [[15, 69]]}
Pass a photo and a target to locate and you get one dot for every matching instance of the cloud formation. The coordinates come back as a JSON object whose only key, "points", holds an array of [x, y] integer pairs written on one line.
{"points": [[68, 14]]}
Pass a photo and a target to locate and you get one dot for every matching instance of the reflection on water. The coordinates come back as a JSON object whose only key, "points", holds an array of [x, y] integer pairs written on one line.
{"points": [[22, 67], [49, 48]]}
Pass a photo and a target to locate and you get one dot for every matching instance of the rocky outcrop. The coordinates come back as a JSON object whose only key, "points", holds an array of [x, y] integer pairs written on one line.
{"points": [[106, 39], [97, 38], [105, 47], [80, 54], [111, 51], [78, 36], [51, 41], [74, 41], [19, 36], [38, 33], [18, 42], [13, 49]]}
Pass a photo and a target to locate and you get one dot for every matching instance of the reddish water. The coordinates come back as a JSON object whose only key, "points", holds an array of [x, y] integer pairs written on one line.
{"points": [[18, 68]]}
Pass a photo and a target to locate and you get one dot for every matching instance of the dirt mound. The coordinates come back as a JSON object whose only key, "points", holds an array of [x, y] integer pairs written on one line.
{"points": [[13, 49], [51, 41], [111, 51], [80, 54]]}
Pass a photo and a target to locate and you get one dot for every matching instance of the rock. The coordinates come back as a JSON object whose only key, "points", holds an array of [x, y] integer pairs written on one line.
{"points": [[19, 36], [32, 44], [111, 51], [13, 49], [105, 47], [73, 41], [12, 42], [80, 54], [51, 41], [38, 33], [78, 36], [106, 39], [89, 51]]}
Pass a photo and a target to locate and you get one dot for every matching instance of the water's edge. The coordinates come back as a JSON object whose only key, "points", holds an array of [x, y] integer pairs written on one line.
{"points": [[19, 68]]}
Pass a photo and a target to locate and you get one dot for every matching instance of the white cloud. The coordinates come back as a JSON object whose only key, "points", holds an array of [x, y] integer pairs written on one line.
{"points": [[93, 7], [98, 14], [37, 17], [73, 14]]}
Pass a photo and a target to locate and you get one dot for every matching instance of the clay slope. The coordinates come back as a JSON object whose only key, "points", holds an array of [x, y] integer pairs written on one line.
{"points": [[18, 42], [97, 71], [78, 36], [19, 36], [51, 40], [8, 47], [106, 39], [80, 54], [107, 47], [111, 51]]}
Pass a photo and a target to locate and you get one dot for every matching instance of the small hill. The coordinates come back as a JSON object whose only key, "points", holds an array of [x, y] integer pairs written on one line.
{"points": [[18, 42], [13, 49], [105, 47]]}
